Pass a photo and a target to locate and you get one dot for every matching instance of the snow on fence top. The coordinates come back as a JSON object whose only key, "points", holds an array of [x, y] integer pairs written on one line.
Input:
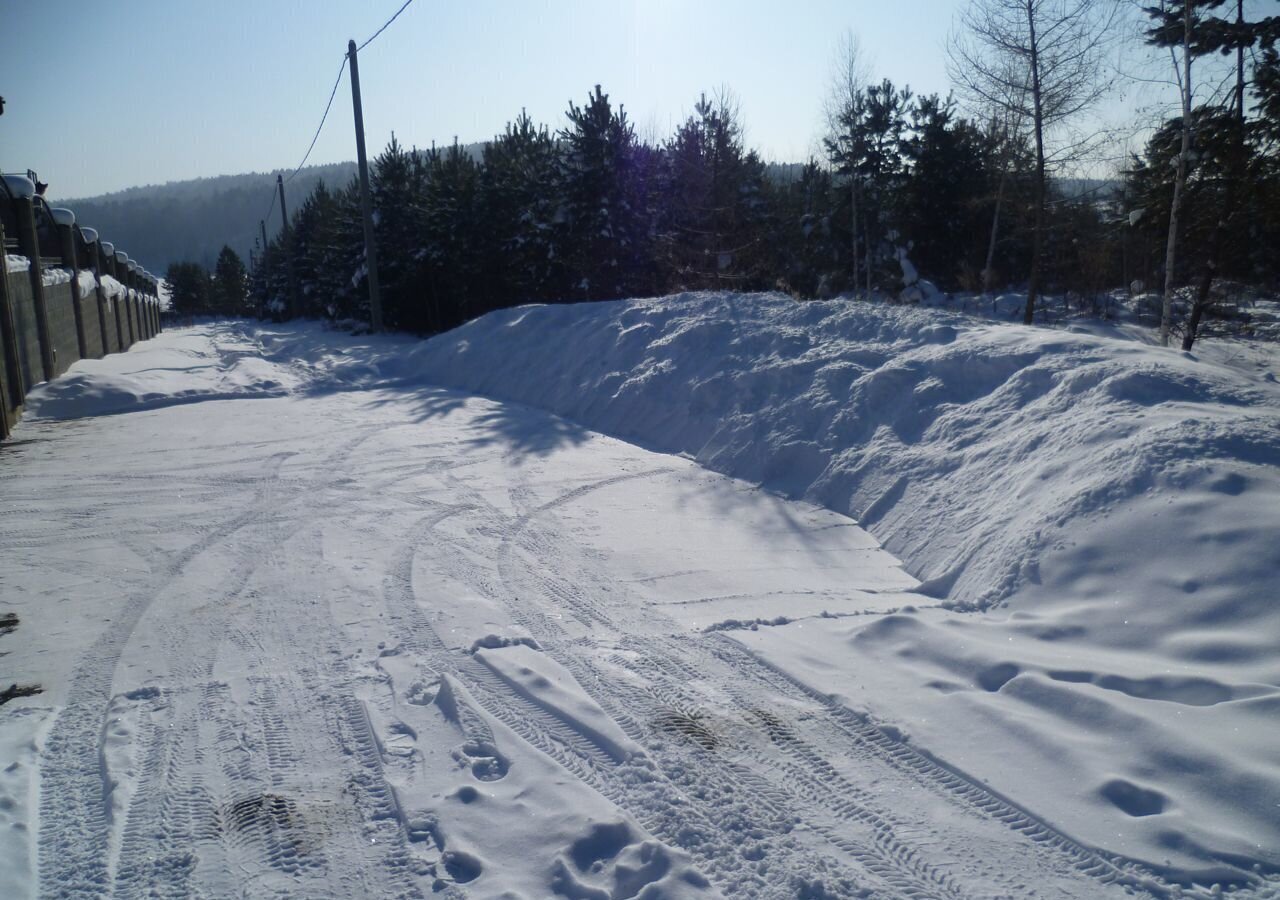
{"points": [[122, 258], [90, 235], [111, 287], [20, 186], [87, 281], [16, 263], [62, 216], [108, 248], [51, 275]]}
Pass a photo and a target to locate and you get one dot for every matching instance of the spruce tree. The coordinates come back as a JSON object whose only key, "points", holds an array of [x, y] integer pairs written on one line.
{"points": [[230, 287]]}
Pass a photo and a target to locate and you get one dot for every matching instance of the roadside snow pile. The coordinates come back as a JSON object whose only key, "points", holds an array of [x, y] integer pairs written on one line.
{"points": [[969, 449], [1114, 505], [188, 369]]}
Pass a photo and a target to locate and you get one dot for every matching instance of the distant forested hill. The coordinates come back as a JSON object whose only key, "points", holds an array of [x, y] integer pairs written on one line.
{"points": [[191, 220]]}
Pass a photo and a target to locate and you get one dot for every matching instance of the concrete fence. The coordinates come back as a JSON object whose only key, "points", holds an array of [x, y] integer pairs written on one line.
{"points": [[64, 295]]}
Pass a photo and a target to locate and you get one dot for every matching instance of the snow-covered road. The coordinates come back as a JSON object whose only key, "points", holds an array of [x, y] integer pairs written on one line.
{"points": [[298, 641]]}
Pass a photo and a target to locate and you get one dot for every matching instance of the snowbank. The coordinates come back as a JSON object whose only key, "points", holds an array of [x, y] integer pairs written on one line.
{"points": [[968, 449], [1111, 505], [187, 369], [1114, 505]]}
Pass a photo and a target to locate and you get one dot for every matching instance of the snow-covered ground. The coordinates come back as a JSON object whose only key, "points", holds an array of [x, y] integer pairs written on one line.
{"points": [[316, 619]]}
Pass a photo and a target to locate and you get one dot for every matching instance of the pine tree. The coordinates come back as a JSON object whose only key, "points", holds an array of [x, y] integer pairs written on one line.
{"points": [[398, 187], [519, 206], [713, 198], [604, 206], [190, 289], [938, 207], [230, 288]]}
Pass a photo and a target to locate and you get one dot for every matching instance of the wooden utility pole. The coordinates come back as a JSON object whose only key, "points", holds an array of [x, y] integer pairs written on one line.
{"points": [[288, 255], [366, 206]]}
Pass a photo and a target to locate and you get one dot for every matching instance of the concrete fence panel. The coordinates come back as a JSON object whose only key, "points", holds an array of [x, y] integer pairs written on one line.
{"points": [[65, 295]]}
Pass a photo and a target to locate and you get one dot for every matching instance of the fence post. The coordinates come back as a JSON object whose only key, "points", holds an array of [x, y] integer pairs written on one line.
{"points": [[95, 260], [11, 390], [108, 256], [14, 389], [123, 276], [29, 242], [64, 220]]}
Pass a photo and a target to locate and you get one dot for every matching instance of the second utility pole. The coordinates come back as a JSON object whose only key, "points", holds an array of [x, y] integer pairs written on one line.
{"points": [[288, 252], [366, 207]]}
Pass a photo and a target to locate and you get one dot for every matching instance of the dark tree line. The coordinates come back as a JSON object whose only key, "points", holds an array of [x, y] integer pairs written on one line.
{"points": [[591, 211], [194, 291]]}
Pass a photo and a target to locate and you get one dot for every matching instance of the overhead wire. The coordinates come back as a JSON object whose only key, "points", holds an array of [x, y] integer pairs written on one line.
{"points": [[333, 93], [329, 105], [384, 25]]}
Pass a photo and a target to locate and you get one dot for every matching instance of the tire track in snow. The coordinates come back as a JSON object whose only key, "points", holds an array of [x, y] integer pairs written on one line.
{"points": [[657, 792], [890, 859], [74, 784]]}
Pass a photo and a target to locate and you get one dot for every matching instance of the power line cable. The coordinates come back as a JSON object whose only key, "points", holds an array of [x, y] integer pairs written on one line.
{"points": [[333, 93], [384, 25], [271, 208], [328, 106]]}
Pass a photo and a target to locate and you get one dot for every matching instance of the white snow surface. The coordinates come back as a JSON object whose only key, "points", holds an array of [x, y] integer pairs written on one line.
{"points": [[111, 287], [51, 275], [638, 635], [20, 186], [88, 283], [62, 216], [14, 263]]}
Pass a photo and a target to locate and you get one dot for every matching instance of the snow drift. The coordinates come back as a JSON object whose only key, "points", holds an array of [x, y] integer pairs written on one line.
{"points": [[1113, 505], [969, 449]]}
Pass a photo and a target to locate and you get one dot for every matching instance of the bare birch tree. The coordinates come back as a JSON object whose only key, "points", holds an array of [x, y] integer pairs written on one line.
{"points": [[845, 101], [1180, 181], [1042, 62]]}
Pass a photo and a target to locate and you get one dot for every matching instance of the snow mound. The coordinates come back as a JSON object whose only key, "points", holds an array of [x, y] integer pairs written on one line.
{"points": [[186, 370], [1112, 504], [969, 449]]}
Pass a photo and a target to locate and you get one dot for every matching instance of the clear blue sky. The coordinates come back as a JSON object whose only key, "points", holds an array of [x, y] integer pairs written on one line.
{"points": [[102, 96]]}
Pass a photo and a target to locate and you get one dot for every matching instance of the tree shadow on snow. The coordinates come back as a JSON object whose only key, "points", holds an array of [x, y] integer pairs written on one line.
{"points": [[523, 431]]}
